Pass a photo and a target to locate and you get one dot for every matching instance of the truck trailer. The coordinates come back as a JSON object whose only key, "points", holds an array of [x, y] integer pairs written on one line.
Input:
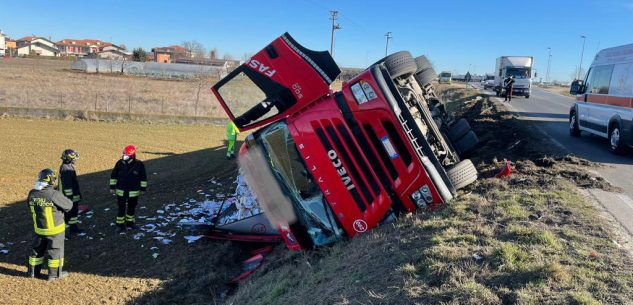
{"points": [[520, 67], [326, 165]]}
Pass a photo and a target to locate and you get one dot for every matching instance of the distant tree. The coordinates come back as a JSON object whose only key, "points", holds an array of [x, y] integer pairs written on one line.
{"points": [[247, 56], [139, 54], [124, 47], [227, 56], [213, 53], [197, 50]]}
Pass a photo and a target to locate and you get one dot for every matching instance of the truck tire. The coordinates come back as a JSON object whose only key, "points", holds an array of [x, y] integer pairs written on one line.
{"points": [[616, 143], [400, 64], [462, 174], [422, 63], [458, 130], [527, 96], [425, 77], [466, 143], [574, 128]]}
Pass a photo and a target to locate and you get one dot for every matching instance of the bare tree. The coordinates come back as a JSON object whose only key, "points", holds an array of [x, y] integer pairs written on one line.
{"points": [[227, 56], [123, 47], [197, 50], [247, 56]]}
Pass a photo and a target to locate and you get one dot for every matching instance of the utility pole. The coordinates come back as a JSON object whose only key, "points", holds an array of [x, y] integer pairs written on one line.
{"points": [[335, 26], [549, 60], [388, 36], [581, 55]]}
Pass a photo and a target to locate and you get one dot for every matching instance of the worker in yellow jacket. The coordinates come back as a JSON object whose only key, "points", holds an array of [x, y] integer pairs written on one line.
{"points": [[231, 137]]}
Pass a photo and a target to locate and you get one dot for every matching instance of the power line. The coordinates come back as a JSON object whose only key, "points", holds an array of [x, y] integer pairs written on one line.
{"points": [[335, 26], [388, 36]]}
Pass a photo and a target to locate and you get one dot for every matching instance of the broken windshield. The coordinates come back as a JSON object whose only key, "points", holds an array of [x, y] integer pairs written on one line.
{"points": [[288, 166]]}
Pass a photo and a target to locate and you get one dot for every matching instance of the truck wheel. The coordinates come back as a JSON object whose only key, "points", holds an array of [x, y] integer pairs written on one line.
{"points": [[459, 129], [400, 64], [425, 77], [462, 174], [466, 143], [615, 140], [527, 96], [574, 129], [422, 63]]}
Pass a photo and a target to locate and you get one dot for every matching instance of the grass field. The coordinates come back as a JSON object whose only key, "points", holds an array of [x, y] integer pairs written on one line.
{"points": [[110, 268], [529, 239], [42, 83]]}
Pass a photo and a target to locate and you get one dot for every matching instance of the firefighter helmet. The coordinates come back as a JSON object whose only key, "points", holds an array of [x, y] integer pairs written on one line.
{"points": [[47, 175], [130, 151], [70, 155]]}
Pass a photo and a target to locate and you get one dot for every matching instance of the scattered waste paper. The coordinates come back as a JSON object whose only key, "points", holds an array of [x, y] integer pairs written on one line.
{"points": [[191, 238]]}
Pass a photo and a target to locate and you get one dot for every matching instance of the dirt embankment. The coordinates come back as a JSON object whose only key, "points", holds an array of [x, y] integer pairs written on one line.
{"points": [[527, 239]]}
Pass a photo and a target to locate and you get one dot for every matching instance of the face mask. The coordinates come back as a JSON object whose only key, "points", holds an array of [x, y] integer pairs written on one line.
{"points": [[126, 157]]}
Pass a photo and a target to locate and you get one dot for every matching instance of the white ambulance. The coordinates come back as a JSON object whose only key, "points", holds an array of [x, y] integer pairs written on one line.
{"points": [[604, 99]]}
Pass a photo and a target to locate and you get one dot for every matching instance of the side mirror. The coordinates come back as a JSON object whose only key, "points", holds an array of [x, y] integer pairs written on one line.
{"points": [[577, 87], [535, 74]]}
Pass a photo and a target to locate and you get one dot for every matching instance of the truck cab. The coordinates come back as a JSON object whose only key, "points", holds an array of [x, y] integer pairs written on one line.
{"points": [[445, 77], [520, 68], [326, 165]]}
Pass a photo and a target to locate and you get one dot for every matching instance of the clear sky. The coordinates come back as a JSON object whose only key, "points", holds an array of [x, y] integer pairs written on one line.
{"points": [[455, 35]]}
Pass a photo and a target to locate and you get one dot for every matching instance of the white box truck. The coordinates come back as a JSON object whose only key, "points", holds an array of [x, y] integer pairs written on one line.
{"points": [[520, 67]]}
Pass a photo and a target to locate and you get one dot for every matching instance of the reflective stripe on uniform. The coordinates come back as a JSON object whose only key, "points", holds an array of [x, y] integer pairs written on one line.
{"points": [[53, 263], [120, 220], [73, 220], [134, 193], [143, 183], [120, 192], [68, 192], [113, 181], [48, 215], [61, 262], [34, 261], [76, 198], [129, 218], [51, 231]]}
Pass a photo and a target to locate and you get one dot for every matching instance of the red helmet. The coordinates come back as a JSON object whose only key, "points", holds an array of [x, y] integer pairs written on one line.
{"points": [[130, 150]]}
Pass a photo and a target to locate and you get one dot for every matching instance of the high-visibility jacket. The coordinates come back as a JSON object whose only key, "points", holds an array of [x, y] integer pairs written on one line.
{"points": [[128, 177], [47, 208], [231, 131], [68, 184]]}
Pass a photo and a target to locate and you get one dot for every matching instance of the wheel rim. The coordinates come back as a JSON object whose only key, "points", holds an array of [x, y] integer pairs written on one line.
{"points": [[615, 138], [572, 122]]}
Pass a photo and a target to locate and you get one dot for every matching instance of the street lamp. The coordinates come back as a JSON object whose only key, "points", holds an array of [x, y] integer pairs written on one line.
{"points": [[581, 55], [549, 60]]}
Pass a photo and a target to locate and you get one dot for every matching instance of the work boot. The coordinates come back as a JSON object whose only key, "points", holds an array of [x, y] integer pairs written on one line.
{"points": [[121, 228], [56, 274], [74, 229], [34, 271], [131, 225]]}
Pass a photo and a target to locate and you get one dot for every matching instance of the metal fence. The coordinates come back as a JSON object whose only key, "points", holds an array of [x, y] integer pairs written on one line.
{"points": [[148, 69]]}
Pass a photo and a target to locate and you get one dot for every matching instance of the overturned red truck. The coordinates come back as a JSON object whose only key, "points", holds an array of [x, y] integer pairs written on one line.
{"points": [[325, 164]]}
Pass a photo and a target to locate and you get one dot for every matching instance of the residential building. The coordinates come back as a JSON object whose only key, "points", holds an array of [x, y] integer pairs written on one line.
{"points": [[33, 45], [80, 47], [114, 52], [170, 54], [12, 48]]}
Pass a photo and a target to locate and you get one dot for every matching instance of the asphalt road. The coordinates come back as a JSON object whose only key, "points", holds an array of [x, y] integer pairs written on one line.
{"points": [[550, 112]]}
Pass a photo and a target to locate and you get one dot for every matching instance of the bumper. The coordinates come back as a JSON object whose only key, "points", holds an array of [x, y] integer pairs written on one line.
{"points": [[520, 91]]}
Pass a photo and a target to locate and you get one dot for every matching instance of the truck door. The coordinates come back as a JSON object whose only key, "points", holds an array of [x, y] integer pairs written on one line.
{"points": [[275, 82]]}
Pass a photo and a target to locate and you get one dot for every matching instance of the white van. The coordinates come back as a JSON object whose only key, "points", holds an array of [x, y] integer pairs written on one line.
{"points": [[604, 99]]}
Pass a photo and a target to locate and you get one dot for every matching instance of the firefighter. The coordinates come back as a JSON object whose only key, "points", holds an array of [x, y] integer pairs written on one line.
{"points": [[69, 186], [231, 136], [508, 83], [48, 207], [128, 181]]}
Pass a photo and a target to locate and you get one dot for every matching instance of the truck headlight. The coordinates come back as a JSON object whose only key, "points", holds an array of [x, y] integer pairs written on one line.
{"points": [[422, 197]]}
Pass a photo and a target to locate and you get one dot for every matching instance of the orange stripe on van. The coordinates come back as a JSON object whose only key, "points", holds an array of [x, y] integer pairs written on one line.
{"points": [[620, 101]]}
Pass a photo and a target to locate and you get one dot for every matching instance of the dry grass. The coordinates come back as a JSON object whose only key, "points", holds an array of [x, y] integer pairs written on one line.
{"points": [[529, 239], [110, 268], [41, 83]]}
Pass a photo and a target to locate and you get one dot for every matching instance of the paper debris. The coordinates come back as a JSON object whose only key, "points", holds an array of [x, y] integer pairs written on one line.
{"points": [[160, 211], [191, 238], [166, 241], [155, 255], [106, 209], [138, 236], [4, 251]]}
